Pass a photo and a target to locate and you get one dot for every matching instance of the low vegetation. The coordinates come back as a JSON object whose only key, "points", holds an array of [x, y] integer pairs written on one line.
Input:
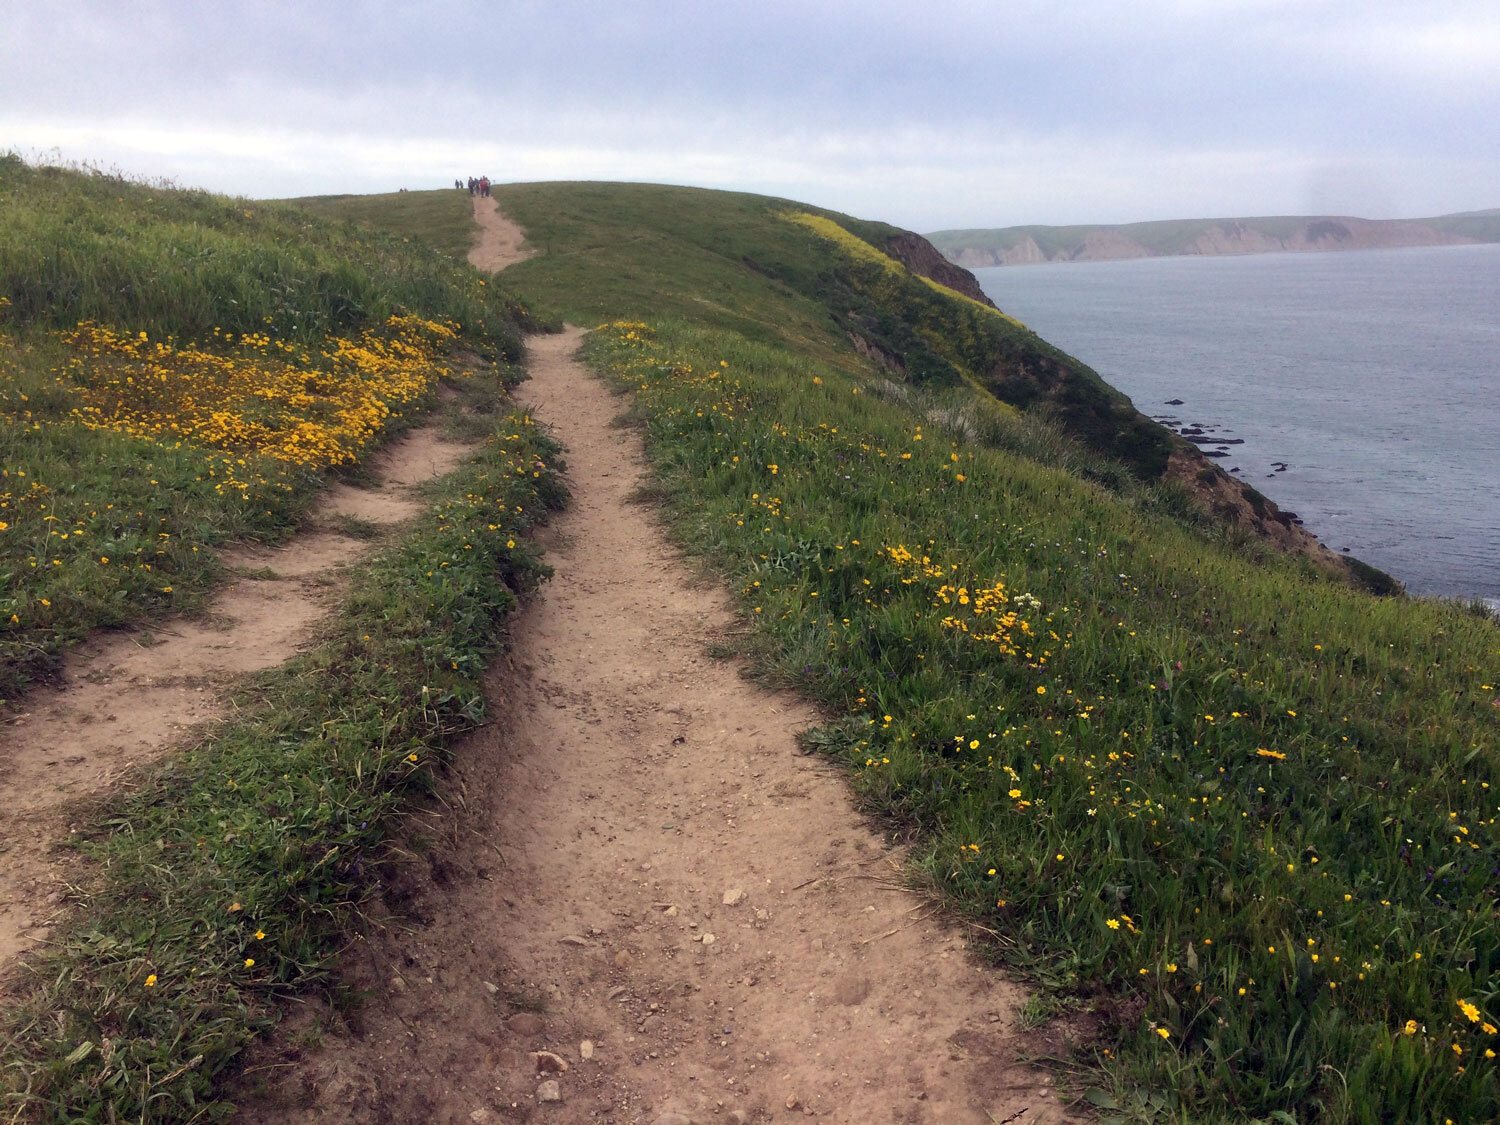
{"points": [[1242, 813], [230, 874], [442, 220], [177, 370]]}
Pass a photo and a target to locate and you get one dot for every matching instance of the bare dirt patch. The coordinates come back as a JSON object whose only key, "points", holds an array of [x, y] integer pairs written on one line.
{"points": [[501, 242], [637, 896], [124, 698]]}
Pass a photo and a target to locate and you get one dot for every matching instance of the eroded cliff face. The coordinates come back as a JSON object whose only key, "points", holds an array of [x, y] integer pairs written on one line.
{"points": [[923, 258]]}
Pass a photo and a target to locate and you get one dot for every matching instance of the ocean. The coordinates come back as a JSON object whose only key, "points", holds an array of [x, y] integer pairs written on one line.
{"points": [[1363, 387]]}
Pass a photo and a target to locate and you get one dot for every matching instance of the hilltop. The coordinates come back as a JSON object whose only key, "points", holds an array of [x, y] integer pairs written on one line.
{"points": [[1028, 245], [1230, 815]]}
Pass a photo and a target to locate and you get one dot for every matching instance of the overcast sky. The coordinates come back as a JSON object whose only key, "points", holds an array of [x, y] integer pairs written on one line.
{"points": [[927, 114]]}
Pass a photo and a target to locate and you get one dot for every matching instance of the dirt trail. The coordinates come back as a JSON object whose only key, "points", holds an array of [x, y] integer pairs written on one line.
{"points": [[124, 698], [640, 873], [500, 240]]}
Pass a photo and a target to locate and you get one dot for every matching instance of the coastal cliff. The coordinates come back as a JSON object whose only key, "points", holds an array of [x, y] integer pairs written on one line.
{"points": [[1029, 245], [1039, 376]]}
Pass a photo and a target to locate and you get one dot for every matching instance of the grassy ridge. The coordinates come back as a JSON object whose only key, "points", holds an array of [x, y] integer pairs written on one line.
{"points": [[1245, 813], [1163, 236], [227, 878], [748, 264], [233, 356], [183, 263], [443, 220]]}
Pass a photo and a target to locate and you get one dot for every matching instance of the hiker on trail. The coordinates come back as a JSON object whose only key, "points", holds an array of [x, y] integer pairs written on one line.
{"points": [[459, 184], [484, 186]]}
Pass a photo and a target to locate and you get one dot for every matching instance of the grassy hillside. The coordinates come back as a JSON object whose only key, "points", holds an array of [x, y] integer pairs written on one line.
{"points": [[1245, 815], [742, 263], [178, 369], [442, 220]]}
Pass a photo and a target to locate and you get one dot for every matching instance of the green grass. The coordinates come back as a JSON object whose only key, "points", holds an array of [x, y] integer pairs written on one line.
{"points": [[226, 880], [1129, 719], [732, 260], [174, 263], [104, 530], [623, 250], [1188, 766], [443, 220], [185, 268]]}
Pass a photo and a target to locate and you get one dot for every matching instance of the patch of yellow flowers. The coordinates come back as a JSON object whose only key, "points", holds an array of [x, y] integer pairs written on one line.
{"points": [[254, 394]]}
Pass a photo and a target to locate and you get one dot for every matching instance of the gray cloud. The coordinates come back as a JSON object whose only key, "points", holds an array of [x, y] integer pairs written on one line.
{"points": [[949, 113]]}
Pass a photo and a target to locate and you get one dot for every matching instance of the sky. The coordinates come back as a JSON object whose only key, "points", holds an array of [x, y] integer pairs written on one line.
{"points": [[929, 114]]}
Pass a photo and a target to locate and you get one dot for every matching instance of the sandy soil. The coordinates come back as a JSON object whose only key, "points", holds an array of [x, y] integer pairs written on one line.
{"points": [[124, 698], [500, 241], [638, 902]]}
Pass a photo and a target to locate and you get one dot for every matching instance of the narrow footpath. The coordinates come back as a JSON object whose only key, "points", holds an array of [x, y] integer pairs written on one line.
{"points": [[636, 901], [124, 698]]}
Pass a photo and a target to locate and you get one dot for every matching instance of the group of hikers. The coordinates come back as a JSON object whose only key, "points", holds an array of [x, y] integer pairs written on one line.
{"points": [[478, 185]]}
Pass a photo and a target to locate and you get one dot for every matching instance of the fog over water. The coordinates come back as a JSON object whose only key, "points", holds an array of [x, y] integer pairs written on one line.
{"points": [[1373, 376]]}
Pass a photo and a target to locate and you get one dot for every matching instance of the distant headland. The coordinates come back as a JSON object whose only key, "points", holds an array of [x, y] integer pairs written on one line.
{"points": [[1029, 245]]}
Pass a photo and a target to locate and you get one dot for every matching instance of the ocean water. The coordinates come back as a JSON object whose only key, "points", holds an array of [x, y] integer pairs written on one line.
{"points": [[1372, 376]]}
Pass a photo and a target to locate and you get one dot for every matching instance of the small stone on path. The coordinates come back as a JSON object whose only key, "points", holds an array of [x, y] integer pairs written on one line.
{"points": [[586, 1049], [549, 1091], [547, 1061], [733, 896]]}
